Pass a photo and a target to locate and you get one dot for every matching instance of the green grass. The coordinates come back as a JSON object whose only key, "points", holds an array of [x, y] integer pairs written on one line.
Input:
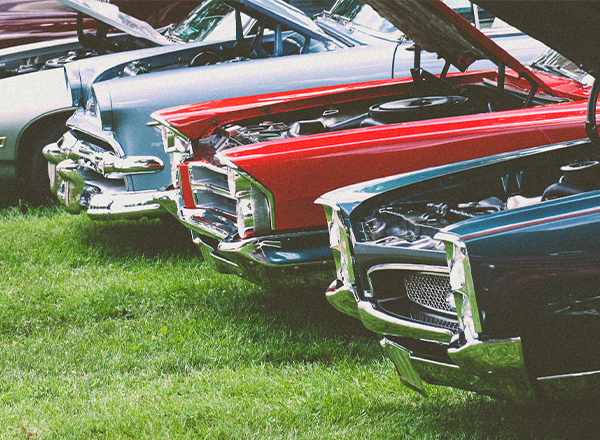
{"points": [[117, 330]]}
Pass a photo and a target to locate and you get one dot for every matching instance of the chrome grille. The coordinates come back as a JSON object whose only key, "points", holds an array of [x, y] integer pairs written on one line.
{"points": [[429, 290], [211, 190], [437, 320]]}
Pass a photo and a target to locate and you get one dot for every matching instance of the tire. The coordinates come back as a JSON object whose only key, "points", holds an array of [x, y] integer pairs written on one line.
{"points": [[36, 188]]}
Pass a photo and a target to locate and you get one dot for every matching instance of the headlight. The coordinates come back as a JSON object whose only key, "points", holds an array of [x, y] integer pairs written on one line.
{"points": [[339, 241], [461, 283], [253, 204]]}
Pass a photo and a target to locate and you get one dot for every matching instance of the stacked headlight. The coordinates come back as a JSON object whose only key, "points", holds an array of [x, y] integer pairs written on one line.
{"points": [[339, 241], [461, 283], [253, 204]]}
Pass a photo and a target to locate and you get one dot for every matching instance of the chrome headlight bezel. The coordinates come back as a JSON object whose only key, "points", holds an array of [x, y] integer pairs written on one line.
{"points": [[461, 283], [99, 104], [340, 244], [254, 202]]}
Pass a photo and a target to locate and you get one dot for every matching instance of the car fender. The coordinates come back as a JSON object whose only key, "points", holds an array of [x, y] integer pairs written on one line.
{"points": [[28, 99]]}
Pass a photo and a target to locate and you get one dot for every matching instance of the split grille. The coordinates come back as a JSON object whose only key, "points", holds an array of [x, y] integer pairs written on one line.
{"points": [[415, 292], [429, 290]]}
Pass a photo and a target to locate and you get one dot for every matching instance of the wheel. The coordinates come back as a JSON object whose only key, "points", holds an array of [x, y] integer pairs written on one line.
{"points": [[36, 187]]}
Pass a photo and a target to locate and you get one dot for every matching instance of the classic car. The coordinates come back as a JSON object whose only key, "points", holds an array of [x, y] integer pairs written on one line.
{"points": [[372, 49], [483, 274], [32, 21], [36, 100], [251, 206]]}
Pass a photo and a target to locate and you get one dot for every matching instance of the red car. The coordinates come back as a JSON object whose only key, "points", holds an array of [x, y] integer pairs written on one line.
{"points": [[251, 206]]}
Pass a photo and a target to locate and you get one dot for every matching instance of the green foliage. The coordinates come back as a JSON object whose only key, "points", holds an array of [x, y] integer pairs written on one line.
{"points": [[117, 330]]}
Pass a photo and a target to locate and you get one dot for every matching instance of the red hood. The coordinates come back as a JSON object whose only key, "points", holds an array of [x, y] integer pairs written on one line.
{"points": [[200, 120], [430, 23]]}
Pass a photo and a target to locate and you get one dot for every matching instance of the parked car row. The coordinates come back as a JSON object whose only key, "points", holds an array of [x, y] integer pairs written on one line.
{"points": [[468, 253]]}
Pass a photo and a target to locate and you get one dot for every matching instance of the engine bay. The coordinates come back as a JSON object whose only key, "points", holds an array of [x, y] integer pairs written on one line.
{"points": [[414, 224], [431, 98]]}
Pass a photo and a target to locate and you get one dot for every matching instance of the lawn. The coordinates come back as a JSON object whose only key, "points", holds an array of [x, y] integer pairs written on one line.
{"points": [[117, 330]]}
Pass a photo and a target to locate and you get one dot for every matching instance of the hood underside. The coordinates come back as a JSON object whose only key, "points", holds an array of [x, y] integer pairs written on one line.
{"points": [[570, 27], [110, 14], [437, 28]]}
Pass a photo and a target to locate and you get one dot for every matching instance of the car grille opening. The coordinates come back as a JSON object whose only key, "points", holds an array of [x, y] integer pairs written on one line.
{"points": [[429, 290]]}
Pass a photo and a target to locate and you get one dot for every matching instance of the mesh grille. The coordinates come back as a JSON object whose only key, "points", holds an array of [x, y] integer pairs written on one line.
{"points": [[429, 290]]}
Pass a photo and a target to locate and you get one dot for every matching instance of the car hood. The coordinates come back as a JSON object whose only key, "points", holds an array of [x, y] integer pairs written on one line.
{"points": [[437, 28], [572, 28], [273, 11], [110, 14]]}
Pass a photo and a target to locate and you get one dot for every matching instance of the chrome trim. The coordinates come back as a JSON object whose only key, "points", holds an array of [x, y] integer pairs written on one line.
{"points": [[206, 183], [499, 365], [217, 262], [344, 299], [71, 187], [400, 356], [172, 202], [409, 267], [573, 385], [162, 121], [471, 369], [413, 269], [271, 199], [83, 124], [468, 290], [282, 262], [383, 323], [111, 206], [2, 141]]}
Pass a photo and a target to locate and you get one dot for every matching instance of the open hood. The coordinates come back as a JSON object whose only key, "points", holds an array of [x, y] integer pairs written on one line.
{"points": [[276, 11], [269, 11], [572, 27], [437, 28], [110, 14]]}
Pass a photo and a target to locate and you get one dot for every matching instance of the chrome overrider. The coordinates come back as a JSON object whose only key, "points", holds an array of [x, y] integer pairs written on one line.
{"points": [[85, 176], [471, 361]]}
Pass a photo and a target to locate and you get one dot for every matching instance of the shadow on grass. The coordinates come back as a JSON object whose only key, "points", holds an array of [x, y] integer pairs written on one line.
{"points": [[465, 415], [144, 237]]}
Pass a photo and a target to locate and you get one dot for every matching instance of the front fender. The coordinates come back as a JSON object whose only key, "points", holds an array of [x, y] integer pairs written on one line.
{"points": [[26, 99]]}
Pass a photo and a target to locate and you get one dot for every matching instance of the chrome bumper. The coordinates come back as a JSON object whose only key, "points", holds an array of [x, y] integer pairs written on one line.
{"points": [[269, 262], [493, 367], [204, 222], [283, 262], [82, 177]]}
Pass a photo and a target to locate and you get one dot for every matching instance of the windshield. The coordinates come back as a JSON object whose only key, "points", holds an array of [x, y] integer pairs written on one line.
{"points": [[363, 15], [213, 18], [553, 63]]}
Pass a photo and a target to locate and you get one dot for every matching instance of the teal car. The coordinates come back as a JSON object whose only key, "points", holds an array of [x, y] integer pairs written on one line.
{"points": [[484, 275]]}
